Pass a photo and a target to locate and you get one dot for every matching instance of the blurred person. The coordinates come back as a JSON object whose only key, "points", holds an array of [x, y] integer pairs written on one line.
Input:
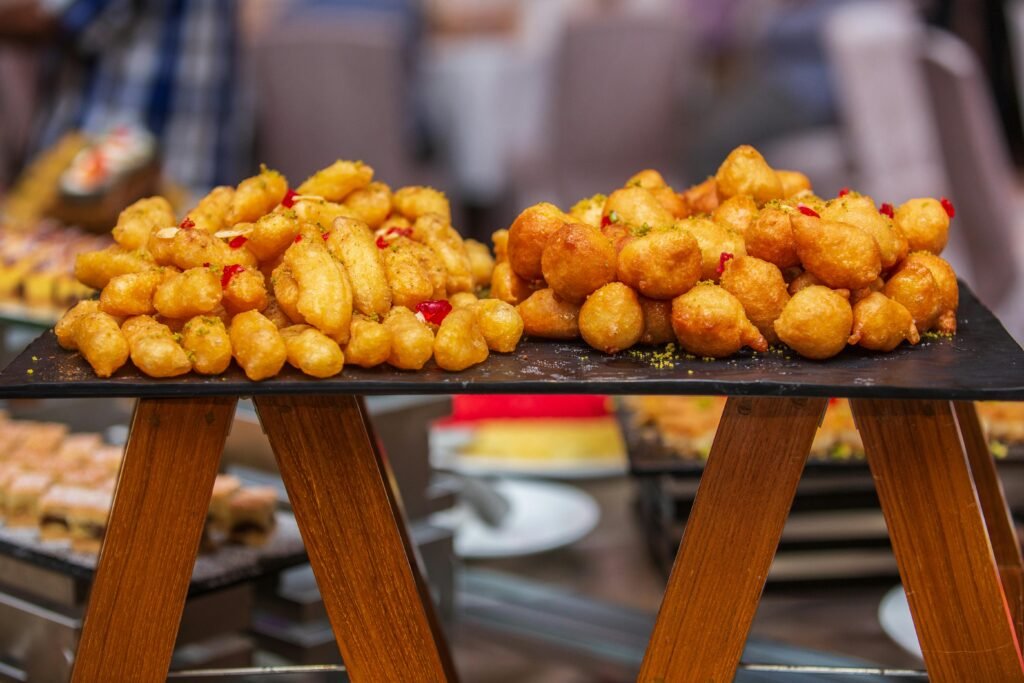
{"points": [[168, 66]]}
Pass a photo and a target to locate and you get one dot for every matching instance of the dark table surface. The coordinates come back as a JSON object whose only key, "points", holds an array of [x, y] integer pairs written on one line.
{"points": [[982, 362]]}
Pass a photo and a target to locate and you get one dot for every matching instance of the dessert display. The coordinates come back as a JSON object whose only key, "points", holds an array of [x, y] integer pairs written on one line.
{"points": [[61, 485], [748, 258], [340, 271]]}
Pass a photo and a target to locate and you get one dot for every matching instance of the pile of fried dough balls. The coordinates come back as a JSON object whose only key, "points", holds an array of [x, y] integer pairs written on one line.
{"points": [[748, 258], [340, 271]]}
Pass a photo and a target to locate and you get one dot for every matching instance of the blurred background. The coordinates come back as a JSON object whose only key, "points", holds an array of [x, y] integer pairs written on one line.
{"points": [[503, 103]]}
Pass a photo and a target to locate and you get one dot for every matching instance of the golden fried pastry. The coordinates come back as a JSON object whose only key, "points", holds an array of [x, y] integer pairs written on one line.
{"points": [[211, 212], [351, 242], [914, 286], [508, 286], [431, 264], [196, 291], [587, 211], [481, 263], [369, 342], [407, 272], [881, 324], [412, 341], [138, 220], [661, 264], [95, 268], [714, 241], [286, 294], [273, 233], [463, 299], [257, 345], [657, 321], [638, 207], [499, 238], [312, 351], [529, 234], [244, 289], [325, 294], [856, 295], [611, 319], [736, 213], [577, 260], [370, 204], [193, 248], [459, 343], [207, 344], [702, 198], [760, 288], [925, 224], [337, 181], [620, 233], [154, 348], [545, 315], [745, 171], [65, 327], [860, 212], [256, 196], [709, 321], [770, 237], [434, 231], [654, 182], [949, 288], [840, 255], [802, 281], [816, 322], [793, 183], [415, 201], [500, 323], [101, 343]]}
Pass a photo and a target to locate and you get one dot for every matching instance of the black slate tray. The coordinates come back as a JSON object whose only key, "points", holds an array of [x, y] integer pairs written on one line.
{"points": [[982, 362]]}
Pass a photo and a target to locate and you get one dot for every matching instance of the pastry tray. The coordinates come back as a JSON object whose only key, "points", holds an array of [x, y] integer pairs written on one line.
{"points": [[982, 362], [225, 566]]}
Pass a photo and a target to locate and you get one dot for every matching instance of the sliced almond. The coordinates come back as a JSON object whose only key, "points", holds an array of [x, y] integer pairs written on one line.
{"points": [[167, 233]]}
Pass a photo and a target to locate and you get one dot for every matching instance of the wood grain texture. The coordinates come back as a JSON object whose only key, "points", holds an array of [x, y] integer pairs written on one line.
{"points": [[940, 540], [160, 504], [998, 520], [731, 537], [341, 492]]}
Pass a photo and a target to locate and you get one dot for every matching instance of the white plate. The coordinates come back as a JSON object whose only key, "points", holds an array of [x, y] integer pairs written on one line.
{"points": [[541, 517], [446, 442], [898, 624]]}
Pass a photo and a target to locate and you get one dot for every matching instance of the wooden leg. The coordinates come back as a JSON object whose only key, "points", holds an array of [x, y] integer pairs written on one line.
{"points": [[341, 491], [998, 520], [731, 537], [940, 540], [160, 505]]}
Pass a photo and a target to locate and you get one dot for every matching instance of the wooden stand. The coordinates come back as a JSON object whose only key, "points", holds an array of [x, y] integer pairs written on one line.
{"points": [[950, 527]]}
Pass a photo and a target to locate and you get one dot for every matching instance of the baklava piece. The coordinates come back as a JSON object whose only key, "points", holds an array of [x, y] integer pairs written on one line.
{"points": [[22, 500], [87, 521], [252, 515]]}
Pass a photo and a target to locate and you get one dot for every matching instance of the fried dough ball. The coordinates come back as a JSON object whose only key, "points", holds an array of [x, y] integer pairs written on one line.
{"points": [[463, 299], [459, 343], [816, 322], [736, 213], [319, 212], [415, 201], [207, 343], [272, 234], [257, 345], [408, 278], [275, 314], [802, 281], [352, 243], [651, 180], [193, 248], [860, 212], [369, 343], [745, 171], [499, 238], [949, 288], [881, 324], [637, 207], [508, 286], [793, 183], [661, 264], [481, 263], [325, 294], [370, 204], [212, 210], [131, 293], [619, 233], [312, 351], [154, 349], [101, 342], [286, 294], [256, 196], [547, 316], [770, 237], [338, 180], [412, 341], [244, 289], [702, 198], [611, 319], [709, 321], [138, 220], [713, 240], [924, 223], [657, 321], [193, 292], [914, 286], [587, 211], [577, 260], [434, 231], [500, 323], [95, 268], [856, 295], [65, 327], [761, 289], [431, 264], [840, 255], [529, 234]]}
